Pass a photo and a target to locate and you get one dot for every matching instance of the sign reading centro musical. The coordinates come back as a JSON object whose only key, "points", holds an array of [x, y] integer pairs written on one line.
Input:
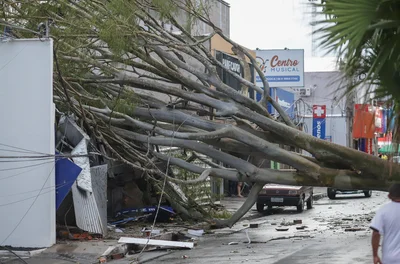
{"points": [[282, 68]]}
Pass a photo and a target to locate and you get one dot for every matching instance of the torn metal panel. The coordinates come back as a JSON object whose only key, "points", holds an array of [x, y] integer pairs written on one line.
{"points": [[91, 207], [80, 141], [99, 185], [84, 180], [89, 192], [72, 131]]}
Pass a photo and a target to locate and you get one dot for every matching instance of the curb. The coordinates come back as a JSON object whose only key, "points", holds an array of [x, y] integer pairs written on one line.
{"points": [[318, 196]]}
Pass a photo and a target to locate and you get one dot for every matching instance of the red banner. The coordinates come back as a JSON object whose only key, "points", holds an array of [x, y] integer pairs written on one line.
{"points": [[364, 122]]}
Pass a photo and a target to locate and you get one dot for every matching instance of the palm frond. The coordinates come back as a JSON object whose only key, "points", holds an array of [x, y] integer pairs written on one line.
{"points": [[366, 36]]}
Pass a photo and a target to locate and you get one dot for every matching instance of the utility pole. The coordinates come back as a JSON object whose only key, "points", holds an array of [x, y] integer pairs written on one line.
{"points": [[349, 117]]}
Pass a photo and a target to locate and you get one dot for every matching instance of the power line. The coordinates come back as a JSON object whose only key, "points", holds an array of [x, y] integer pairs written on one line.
{"points": [[27, 166], [17, 174], [50, 156], [56, 187], [15, 151], [164, 182], [3, 159], [40, 193], [23, 149]]}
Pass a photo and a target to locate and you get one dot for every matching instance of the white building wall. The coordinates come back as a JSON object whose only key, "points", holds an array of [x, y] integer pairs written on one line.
{"points": [[327, 88], [27, 185]]}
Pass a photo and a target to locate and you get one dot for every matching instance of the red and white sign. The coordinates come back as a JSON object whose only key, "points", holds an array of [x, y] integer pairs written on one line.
{"points": [[319, 111], [369, 148], [378, 121]]}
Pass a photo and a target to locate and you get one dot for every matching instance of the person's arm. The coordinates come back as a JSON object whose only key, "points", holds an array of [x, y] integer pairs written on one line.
{"points": [[376, 237]]}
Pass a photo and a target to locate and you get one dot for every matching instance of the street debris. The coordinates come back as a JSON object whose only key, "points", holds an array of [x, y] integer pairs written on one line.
{"points": [[347, 219], [165, 213], [301, 227], [194, 232], [297, 222], [154, 242], [253, 225], [232, 243], [282, 229], [127, 220], [354, 229], [75, 234], [248, 237], [114, 252], [185, 256], [148, 232]]}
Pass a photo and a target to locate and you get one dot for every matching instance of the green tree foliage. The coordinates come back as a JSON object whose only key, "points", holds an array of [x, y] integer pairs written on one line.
{"points": [[366, 36]]}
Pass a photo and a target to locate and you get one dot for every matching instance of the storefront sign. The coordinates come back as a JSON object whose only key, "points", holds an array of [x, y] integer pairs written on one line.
{"points": [[283, 97], [319, 118], [366, 145], [282, 68], [233, 64]]}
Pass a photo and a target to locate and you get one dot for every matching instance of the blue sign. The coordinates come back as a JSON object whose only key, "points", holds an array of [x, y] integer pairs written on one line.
{"points": [[284, 98], [66, 174], [319, 125], [384, 121]]}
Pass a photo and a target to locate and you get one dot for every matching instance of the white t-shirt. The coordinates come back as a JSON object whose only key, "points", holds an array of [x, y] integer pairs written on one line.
{"points": [[387, 222]]}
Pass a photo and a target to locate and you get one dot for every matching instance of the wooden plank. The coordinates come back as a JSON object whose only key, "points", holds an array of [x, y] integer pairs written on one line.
{"points": [[154, 242]]}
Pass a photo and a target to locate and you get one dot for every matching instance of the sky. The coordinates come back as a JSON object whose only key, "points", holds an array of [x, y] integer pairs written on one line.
{"points": [[268, 24]]}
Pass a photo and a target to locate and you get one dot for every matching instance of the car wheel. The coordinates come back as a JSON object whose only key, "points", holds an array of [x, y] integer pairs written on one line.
{"points": [[300, 207], [367, 193], [260, 207], [331, 193], [310, 202]]}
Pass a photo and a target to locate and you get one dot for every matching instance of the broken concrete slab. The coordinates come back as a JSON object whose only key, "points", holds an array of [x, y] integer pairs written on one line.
{"points": [[194, 232], [154, 242], [113, 251]]}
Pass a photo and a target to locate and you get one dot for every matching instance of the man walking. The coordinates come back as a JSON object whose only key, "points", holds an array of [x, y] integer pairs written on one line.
{"points": [[386, 223]]}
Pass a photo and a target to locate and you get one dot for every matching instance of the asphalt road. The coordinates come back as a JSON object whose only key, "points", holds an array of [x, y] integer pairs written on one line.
{"points": [[324, 240]]}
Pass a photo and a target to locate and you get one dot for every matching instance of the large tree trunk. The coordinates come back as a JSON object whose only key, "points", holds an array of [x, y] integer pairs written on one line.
{"points": [[137, 86]]}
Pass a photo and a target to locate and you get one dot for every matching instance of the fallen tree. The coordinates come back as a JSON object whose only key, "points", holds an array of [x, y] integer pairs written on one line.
{"points": [[108, 54]]}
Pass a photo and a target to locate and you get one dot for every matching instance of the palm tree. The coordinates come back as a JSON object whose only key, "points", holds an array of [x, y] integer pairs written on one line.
{"points": [[366, 36]]}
